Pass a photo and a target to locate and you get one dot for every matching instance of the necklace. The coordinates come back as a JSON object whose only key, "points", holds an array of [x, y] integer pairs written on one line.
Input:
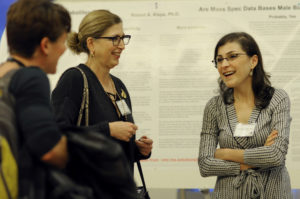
{"points": [[113, 97]]}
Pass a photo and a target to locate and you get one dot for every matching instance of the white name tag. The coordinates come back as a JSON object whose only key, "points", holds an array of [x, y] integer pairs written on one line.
{"points": [[122, 106], [244, 130]]}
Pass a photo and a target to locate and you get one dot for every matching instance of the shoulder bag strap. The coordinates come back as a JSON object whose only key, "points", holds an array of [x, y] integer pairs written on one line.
{"points": [[85, 100], [141, 174]]}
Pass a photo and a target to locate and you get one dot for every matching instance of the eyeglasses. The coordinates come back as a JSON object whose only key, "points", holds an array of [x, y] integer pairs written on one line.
{"points": [[231, 57], [117, 39]]}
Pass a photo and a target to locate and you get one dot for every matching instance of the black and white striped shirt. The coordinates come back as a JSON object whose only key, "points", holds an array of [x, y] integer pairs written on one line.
{"points": [[270, 179]]}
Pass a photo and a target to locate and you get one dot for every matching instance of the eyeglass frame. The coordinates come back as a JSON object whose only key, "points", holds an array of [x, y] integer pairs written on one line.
{"points": [[113, 39], [228, 59]]}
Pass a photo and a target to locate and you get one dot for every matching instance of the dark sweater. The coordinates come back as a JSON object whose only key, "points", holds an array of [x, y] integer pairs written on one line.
{"points": [[38, 132], [67, 97]]}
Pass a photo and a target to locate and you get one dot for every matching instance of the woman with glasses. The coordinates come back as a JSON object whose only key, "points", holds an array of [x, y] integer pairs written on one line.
{"points": [[101, 37], [249, 121]]}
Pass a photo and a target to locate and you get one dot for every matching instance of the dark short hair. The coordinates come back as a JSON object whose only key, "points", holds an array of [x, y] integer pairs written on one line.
{"points": [[261, 85], [28, 21]]}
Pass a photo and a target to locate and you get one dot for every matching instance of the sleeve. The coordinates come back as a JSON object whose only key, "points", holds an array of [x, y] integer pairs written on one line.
{"points": [[35, 119], [66, 101], [208, 165], [138, 155], [274, 155], [66, 97]]}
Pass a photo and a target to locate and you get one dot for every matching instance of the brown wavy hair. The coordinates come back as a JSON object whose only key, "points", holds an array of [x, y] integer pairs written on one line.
{"points": [[261, 85]]}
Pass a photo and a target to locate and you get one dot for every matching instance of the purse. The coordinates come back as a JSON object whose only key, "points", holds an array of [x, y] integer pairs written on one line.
{"points": [[61, 184], [63, 187], [142, 191]]}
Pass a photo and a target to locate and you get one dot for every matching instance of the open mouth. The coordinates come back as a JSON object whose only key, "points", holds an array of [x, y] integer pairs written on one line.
{"points": [[227, 74], [117, 54]]}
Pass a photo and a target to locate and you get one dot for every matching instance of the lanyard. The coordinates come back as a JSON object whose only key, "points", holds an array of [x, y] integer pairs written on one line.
{"points": [[113, 98], [11, 59]]}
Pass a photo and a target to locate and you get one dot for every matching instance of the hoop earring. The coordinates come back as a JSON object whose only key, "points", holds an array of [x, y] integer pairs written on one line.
{"points": [[93, 54]]}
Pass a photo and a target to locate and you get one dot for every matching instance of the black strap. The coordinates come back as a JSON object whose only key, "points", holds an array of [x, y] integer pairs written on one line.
{"points": [[11, 59], [141, 174]]}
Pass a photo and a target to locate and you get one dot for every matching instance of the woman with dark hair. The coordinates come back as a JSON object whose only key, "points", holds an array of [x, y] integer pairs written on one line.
{"points": [[250, 121]]}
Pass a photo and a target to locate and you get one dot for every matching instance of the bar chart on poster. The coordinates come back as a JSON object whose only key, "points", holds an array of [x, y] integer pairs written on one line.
{"points": [[168, 71]]}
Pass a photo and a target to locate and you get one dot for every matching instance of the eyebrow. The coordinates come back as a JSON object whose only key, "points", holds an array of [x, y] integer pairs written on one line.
{"points": [[228, 53], [116, 35], [119, 35]]}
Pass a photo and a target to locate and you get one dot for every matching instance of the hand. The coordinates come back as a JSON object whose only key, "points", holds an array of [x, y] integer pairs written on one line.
{"points": [[58, 155], [144, 144], [122, 130], [271, 138], [245, 167]]}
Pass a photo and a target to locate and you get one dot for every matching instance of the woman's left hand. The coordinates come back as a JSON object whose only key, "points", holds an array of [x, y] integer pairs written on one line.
{"points": [[144, 144], [245, 167]]}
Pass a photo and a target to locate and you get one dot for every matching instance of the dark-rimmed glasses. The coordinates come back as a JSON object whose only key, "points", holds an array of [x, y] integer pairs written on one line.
{"points": [[231, 57], [117, 39]]}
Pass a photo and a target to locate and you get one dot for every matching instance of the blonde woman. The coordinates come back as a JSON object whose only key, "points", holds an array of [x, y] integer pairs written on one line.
{"points": [[102, 38]]}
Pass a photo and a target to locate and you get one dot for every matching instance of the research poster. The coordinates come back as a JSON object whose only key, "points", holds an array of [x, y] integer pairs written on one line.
{"points": [[168, 71]]}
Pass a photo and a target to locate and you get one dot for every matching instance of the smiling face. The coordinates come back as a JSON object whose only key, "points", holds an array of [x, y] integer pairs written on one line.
{"points": [[235, 69], [106, 54]]}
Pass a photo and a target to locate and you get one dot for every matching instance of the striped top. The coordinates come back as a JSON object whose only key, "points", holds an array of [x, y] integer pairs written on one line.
{"points": [[270, 179]]}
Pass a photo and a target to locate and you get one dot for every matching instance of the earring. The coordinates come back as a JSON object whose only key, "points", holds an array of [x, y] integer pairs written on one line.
{"points": [[251, 72], [93, 54]]}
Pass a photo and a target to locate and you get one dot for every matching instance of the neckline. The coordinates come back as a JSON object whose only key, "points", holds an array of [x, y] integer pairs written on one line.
{"points": [[93, 75], [232, 120], [253, 116]]}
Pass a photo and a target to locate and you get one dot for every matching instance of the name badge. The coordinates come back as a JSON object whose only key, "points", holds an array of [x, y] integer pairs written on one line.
{"points": [[123, 108], [244, 130]]}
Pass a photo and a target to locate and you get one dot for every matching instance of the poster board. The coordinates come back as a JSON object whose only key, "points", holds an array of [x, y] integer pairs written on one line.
{"points": [[168, 71]]}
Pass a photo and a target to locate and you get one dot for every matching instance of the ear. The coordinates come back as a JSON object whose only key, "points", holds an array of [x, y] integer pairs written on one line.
{"points": [[90, 44], [254, 61], [45, 45]]}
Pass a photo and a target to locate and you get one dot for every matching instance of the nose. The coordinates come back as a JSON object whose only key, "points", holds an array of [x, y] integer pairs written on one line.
{"points": [[225, 62], [121, 44]]}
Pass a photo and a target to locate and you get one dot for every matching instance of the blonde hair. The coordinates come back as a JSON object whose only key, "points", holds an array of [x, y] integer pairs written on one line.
{"points": [[94, 24]]}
